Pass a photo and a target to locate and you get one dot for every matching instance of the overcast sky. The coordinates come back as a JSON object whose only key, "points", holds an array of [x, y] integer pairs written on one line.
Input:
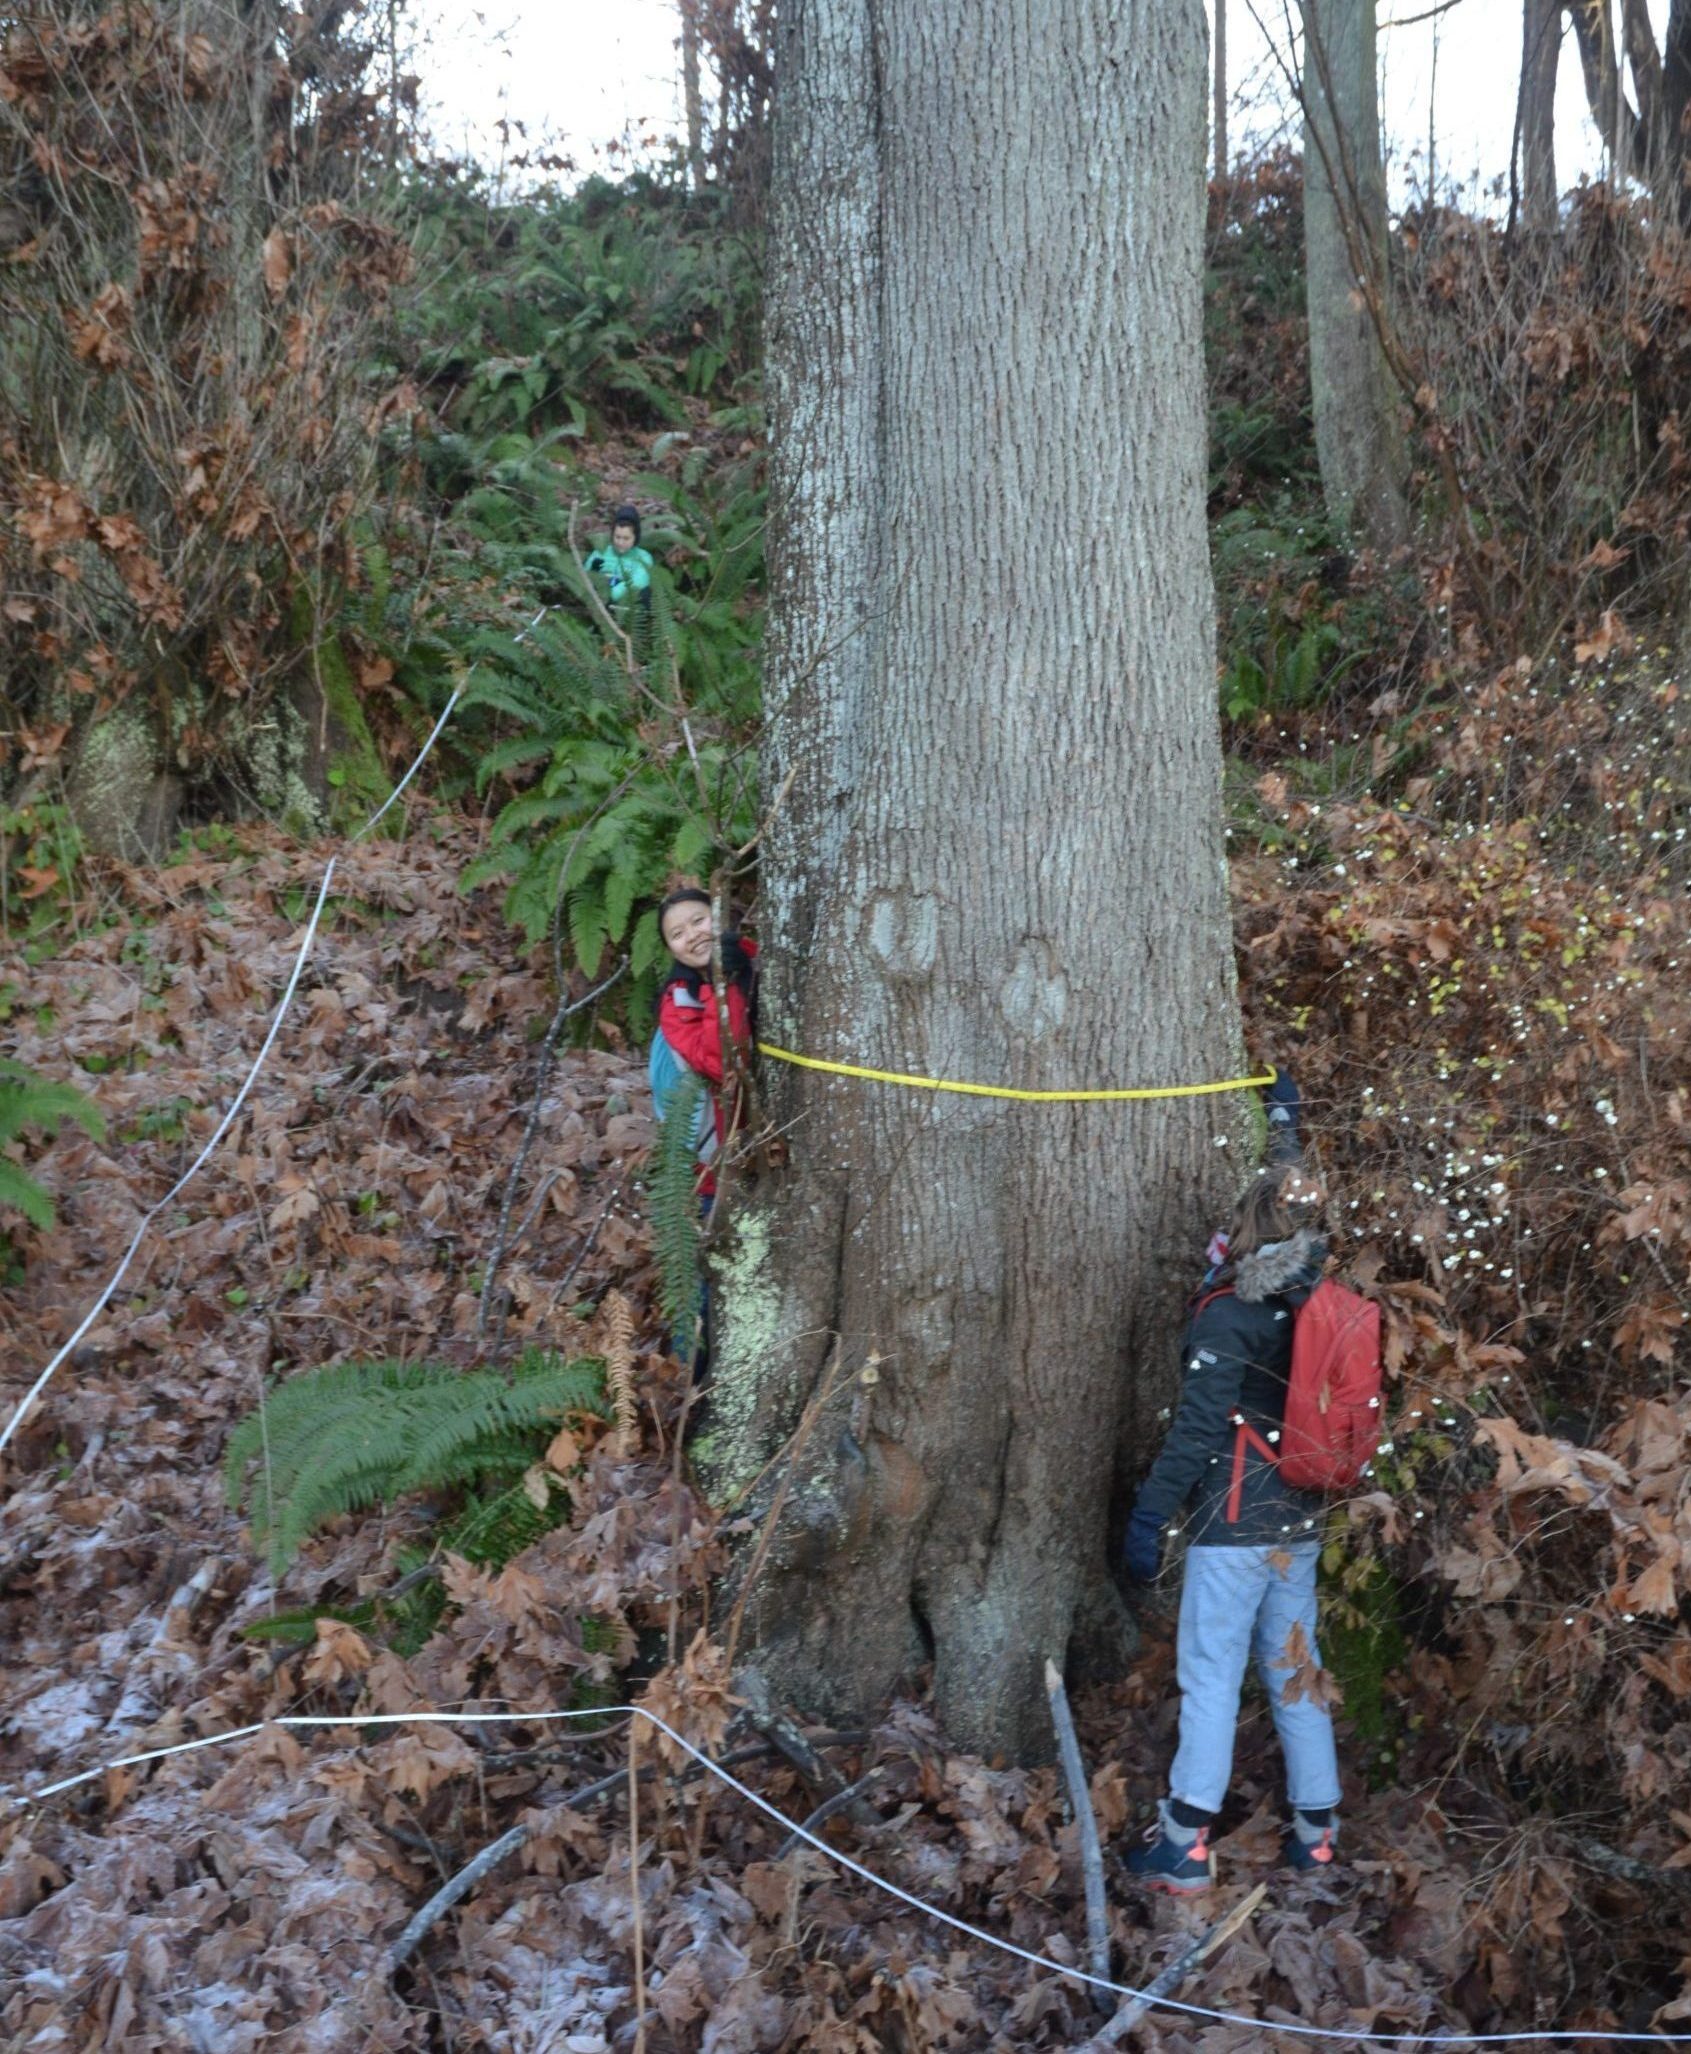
{"points": [[585, 73]]}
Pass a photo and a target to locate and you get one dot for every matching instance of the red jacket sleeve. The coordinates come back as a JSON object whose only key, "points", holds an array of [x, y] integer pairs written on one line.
{"points": [[689, 1026]]}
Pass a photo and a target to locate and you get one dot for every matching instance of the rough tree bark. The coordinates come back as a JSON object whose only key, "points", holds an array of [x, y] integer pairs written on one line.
{"points": [[991, 676], [1358, 435], [1541, 50]]}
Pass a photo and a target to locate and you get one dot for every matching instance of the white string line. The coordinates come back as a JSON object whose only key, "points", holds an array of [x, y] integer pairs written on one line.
{"points": [[856, 1868], [193, 1169], [41, 1382], [434, 732]]}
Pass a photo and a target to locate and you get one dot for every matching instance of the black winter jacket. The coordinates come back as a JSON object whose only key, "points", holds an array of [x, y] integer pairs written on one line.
{"points": [[1237, 1358]]}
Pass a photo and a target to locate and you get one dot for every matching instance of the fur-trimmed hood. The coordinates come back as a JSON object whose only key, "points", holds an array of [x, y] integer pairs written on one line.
{"points": [[1279, 1267]]}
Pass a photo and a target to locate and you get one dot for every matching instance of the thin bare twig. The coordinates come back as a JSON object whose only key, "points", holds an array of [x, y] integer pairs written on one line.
{"points": [[634, 1887], [566, 1008], [830, 1807], [1176, 1973], [589, 1241]]}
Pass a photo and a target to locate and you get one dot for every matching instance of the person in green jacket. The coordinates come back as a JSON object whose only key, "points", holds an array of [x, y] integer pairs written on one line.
{"points": [[625, 567]]}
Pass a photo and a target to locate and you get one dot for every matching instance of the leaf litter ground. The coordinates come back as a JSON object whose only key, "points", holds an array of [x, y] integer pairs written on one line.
{"points": [[236, 1899]]}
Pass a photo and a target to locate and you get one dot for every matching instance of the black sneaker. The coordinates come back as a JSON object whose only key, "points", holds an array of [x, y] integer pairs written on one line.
{"points": [[1164, 1864], [1310, 1855]]}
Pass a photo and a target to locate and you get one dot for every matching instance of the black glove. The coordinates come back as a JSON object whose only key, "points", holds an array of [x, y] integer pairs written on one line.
{"points": [[1142, 1547], [737, 966]]}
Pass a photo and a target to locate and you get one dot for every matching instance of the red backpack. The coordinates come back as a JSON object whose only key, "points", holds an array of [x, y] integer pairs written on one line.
{"points": [[1332, 1423], [1333, 1397]]}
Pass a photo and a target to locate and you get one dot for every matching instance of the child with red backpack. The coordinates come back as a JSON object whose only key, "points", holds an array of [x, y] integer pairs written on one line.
{"points": [[689, 1031], [689, 1038], [1254, 1444]]}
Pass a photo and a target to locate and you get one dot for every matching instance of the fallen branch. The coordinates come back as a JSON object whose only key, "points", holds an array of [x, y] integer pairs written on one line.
{"points": [[468, 1877], [1630, 1869], [1086, 1821], [785, 1736], [459, 1886], [842, 1800], [1175, 1974]]}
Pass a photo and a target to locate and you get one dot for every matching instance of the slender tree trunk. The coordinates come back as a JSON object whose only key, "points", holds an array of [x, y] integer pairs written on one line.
{"points": [[991, 671], [1605, 91], [1541, 49], [691, 93], [1358, 436], [1638, 39], [1676, 102], [1220, 83]]}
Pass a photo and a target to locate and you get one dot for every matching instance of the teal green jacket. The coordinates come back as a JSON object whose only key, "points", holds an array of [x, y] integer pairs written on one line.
{"points": [[625, 575]]}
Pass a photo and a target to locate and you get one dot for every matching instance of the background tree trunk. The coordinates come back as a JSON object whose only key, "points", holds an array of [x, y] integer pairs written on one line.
{"points": [[692, 97], [1358, 436], [1541, 50], [1676, 98], [1648, 140], [992, 674], [1605, 91], [1219, 120]]}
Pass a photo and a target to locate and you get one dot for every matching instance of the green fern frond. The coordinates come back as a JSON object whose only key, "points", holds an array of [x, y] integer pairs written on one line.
{"points": [[490, 1530], [23, 1194], [675, 1204], [39, 1104], [358, 1433]]}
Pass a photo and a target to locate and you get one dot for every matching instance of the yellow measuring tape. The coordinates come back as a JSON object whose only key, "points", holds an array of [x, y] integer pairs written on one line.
{"points": [[786, 1055]]}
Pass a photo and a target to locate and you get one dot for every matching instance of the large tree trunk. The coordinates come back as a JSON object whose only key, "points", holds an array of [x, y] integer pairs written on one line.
{"points": [[1358, 436], [1541, 49], [991, 674]]}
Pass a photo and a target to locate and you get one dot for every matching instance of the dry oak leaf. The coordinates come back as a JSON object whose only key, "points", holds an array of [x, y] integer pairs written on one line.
{"points": [[693, 1697], [1534, 1462], [1655, 1590], [563, 1452], [1610, 637], [1110, 1799], [1671, 1668], [278, 262], [1308, 1679], [420, 1762], [294, 1210], [340, 1651], [1648, 1332], [1490, 1573]]}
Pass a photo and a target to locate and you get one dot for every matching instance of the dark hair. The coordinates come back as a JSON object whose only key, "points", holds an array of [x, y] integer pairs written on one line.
{"points": [[626, 517], [683, 895], [1265, 1214]]}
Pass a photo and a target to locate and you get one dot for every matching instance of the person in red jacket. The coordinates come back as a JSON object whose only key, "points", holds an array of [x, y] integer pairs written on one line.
{"points": [[689, 1037], [687, 1012]]}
